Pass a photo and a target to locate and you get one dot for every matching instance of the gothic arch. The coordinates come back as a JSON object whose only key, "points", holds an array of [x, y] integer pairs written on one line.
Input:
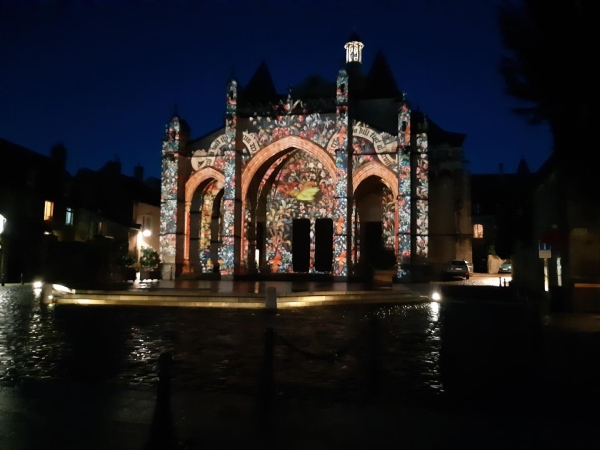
{"points": [[377, 169], [202, 175], [273, 149]]}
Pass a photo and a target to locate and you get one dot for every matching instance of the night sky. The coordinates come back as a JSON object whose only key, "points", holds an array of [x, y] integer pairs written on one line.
{"points": [[103, 76]]}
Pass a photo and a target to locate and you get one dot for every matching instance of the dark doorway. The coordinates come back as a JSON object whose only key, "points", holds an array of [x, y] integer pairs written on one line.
{"points": [[323, 245], [372, 233], [301, 245]]}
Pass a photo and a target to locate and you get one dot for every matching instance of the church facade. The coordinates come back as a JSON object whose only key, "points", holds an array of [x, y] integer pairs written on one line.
{"points": [[314, 180]]}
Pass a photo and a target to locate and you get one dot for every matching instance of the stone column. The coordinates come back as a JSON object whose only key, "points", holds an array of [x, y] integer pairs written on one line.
{"points": [[342, 235], [186, 242], [403, 198], [169, 197], [227, 250]]}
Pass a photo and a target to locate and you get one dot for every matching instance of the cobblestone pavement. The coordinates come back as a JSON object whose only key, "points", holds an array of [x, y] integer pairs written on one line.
{"points": [[321, 350], [459, 357]]}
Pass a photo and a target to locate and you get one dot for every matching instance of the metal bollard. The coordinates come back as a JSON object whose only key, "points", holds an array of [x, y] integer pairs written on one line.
{"points": [[500, 281], [271, 298], [162, 430], [2, 281], [22, 279]]}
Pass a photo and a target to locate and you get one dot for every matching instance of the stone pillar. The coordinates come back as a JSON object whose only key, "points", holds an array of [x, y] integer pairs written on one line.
{"points": [[421, 193], [227, 250], [169, 198], [312, 235], [186, 242], [403, 199], [342, 242]]}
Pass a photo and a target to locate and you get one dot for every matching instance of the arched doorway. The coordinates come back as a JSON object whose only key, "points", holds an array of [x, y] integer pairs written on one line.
{"points": [[375, 225], [204, 194], [289, 198]]}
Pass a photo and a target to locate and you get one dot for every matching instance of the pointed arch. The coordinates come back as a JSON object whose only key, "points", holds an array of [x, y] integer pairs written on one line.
{"points": [[375, 168], [202, 175], [279, 146]]}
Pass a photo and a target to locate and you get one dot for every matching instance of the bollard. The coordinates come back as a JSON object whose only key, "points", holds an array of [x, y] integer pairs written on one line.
{"points": [[2, 281], [22, 279], [271, 298], [162, 429], [266, 385], [500, 281]]}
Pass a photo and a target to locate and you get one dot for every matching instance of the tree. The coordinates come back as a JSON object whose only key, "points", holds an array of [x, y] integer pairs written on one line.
{"points": [[551, 67]]}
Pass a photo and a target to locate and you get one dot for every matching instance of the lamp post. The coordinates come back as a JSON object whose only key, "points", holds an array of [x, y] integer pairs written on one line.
{"points": [[2, 249]]}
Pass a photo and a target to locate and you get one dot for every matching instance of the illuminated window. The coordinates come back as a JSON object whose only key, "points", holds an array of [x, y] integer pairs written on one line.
{"points": [[146, 223], [477, 231], [48, 210], [69, 217]]}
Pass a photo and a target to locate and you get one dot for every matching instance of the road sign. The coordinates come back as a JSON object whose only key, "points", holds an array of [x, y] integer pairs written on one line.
{"points": [[545, 250]]}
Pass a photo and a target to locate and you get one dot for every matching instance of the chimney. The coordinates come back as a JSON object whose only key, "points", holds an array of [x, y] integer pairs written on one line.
{"points": [[138, 173]]}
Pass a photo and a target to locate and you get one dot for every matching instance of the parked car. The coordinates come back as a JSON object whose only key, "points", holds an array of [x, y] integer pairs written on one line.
{"points": [[505, 268], [457, 268]]}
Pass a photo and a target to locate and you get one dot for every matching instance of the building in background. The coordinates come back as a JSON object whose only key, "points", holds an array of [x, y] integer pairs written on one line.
{"points": [[315, 180], [67, 227], [501, 215], [561, 261]]}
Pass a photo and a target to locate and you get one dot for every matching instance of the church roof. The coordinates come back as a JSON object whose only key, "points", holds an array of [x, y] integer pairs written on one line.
{"points": [[380, 82], [436, 135], [314, 87], [260, 88]]}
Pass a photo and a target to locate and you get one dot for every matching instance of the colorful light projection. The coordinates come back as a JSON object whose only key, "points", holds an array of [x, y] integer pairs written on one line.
{"points": [[303, 189], [340, 217], [169, 181], [403, 208], [372, 145], [226, 252], [206, 225], [388, 218], [422, 194], [314, 127]]}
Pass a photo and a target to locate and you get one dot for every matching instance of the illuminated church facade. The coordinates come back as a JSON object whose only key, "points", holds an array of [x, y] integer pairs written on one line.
{"points": [[313, 180]]}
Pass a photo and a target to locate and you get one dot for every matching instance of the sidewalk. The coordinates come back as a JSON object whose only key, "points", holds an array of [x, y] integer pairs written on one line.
{"points": [[101, 417]]}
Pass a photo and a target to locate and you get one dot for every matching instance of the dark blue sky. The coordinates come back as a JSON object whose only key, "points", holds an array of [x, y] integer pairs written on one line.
{"points": [[103, 76]]}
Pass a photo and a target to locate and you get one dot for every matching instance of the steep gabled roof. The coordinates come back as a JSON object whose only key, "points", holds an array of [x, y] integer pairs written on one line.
{"points": [[436, 135], [314, 87], [380, 81], [260, 88]]}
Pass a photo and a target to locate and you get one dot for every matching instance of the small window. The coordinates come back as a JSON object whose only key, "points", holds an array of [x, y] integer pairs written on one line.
{"points": [[146, 223], [48, 210], [477, 231], [69, 217]]}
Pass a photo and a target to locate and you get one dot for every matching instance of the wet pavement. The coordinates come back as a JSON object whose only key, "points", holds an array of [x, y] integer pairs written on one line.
{"points": [[93, 369]]}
